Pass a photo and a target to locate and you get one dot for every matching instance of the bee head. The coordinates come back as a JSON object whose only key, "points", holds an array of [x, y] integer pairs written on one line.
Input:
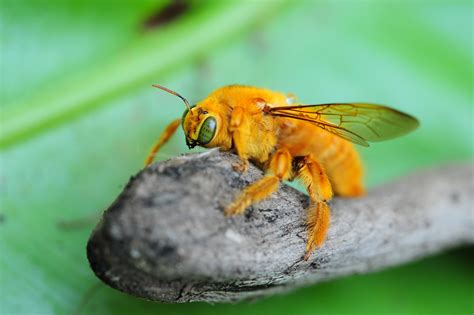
{"points": [[199, 126]]}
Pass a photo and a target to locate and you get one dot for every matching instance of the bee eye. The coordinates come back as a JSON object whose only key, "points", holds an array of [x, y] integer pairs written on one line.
{"points": [[207, 130], [185, 113]]}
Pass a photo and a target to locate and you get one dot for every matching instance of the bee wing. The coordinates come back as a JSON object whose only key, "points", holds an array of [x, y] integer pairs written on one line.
{"points": [[357, 122]]}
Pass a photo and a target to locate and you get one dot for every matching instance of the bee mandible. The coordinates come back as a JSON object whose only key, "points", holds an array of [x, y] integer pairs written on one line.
{"points": [[288, 141]]}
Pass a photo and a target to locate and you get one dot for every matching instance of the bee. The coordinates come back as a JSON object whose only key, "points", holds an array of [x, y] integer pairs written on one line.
{"points": [[288, 141]]}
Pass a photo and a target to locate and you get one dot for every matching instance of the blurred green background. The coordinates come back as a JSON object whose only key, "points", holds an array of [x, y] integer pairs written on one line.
{"points": [[78, 116]]}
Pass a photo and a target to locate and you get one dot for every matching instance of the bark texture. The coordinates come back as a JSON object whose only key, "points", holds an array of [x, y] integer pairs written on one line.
{"points": [[166, 238]]}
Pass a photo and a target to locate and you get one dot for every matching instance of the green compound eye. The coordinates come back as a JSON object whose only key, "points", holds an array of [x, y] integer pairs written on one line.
{"points": [[207, 131], [185, 113]]}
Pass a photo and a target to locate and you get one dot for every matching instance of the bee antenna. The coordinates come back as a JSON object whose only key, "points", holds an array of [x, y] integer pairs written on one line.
{"points": [[174, 93]]}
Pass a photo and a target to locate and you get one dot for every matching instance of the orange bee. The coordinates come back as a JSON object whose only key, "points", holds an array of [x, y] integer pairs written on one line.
{"points": [[312, 143]]}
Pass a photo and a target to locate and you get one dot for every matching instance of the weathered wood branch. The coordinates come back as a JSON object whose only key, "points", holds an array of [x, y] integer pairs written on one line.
{"points": [[166, 238]]}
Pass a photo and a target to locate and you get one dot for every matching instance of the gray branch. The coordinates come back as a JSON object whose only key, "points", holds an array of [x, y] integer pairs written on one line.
{"points": [[166, 238]]}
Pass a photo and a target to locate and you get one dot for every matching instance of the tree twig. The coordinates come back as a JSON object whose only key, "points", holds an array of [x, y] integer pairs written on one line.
{"points": [[166, 238]]}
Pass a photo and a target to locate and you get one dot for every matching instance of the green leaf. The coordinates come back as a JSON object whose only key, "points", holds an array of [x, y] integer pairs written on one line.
{"points": [[137, 64], [74, 54]]}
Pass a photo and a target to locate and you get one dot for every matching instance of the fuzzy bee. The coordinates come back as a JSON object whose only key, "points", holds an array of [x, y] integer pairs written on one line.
{"points": [[311, 143]]}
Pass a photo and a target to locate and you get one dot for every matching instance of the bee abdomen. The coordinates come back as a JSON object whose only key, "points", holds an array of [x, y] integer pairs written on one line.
{"points": [[344, 168]]}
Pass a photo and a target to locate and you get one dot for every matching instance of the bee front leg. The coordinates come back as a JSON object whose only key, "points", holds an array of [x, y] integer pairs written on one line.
{"points": [[279, 169], [165, 136], [239, 128], [313, 176]]}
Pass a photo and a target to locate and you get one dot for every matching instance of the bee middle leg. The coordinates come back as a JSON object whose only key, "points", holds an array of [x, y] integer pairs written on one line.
{"points": [[239, 128], [279, 169], [316, 181]]}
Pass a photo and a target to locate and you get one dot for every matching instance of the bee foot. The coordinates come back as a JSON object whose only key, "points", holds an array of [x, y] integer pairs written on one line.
{"points": [[233, 209], [241, 166], [317, 225], [310, 247]]}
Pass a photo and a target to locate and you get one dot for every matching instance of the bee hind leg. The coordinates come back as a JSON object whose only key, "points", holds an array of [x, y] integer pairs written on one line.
{"points": [[279, 169], [316, 181], [317, 224]]}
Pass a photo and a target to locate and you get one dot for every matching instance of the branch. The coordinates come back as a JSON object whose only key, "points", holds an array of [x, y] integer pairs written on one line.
{"points": [[166, 239]]}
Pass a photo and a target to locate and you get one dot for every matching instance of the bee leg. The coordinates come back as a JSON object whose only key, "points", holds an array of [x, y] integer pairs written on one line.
{"points": [[165, 136], [313, 176], [242, 166], [239, 129], [279, 169], [317, 224]]}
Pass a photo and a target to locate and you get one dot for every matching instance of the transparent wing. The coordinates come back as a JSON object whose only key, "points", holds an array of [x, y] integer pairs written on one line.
{"points": [[357, 122]]}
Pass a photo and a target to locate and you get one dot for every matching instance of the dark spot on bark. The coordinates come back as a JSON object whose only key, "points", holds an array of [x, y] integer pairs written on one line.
{"points": [[166, 15], [236, 287], [148, 230], [455, 197], [249, 213], [300, 236], [173, 172], [181, 171], [304, 200], [159, 254], [270, 217], [260, 225], [292, 267], [2, 218], [166, 250], [319, 262], [148, 202], [181, 292], [315, 264], [235, 182]]}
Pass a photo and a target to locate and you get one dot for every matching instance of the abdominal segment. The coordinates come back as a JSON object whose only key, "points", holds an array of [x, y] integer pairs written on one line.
{"points": [[338, 157]]}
